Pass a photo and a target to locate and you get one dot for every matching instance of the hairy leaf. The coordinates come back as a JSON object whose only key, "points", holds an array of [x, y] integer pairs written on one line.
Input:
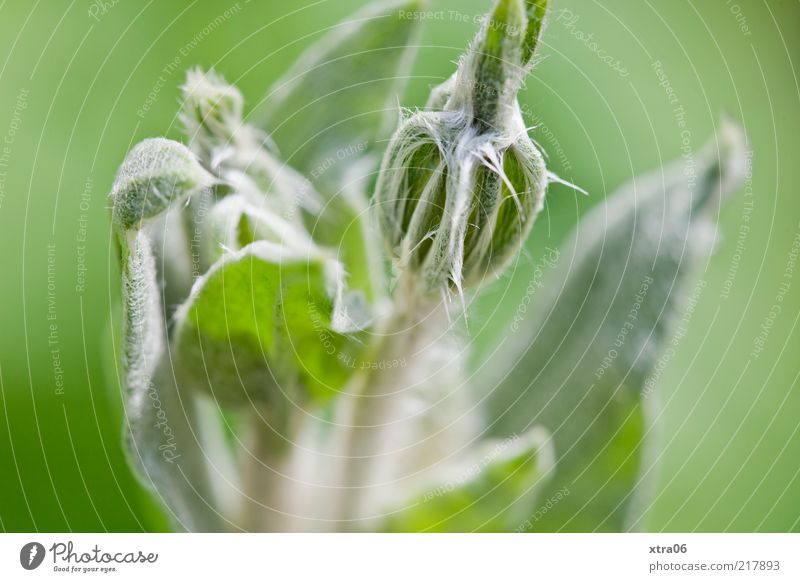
{"points": [[582, 368], [242, 155], [156, 173], [160, 441], [266, 325], [536, 10]]}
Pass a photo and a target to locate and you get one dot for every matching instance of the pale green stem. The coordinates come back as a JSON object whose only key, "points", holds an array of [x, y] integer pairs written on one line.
{"points": [[265, 476], [372, 396]]}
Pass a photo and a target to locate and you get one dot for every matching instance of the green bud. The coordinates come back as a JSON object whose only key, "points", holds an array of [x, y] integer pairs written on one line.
{"points": [[243, 156], [455, 206], [462, 184], [212, 114]]}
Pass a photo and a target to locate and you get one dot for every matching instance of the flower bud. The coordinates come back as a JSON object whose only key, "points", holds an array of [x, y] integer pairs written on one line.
{"points": [[461, 186], [212, 114], [455, 207], [243, 156]]}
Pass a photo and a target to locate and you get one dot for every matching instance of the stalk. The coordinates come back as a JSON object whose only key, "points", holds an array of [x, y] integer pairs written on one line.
{"points": [[265, 478], [373, 396]]}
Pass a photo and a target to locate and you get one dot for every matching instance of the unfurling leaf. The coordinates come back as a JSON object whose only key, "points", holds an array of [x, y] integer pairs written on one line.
{"points": [[582, 368], [243, 156], [235, 222]]}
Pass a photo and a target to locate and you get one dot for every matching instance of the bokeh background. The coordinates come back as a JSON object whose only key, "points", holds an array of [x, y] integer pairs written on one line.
{"points": [[82, 81]]}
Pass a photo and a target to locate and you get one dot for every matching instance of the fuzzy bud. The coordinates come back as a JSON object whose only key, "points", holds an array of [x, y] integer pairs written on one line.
{"points": [[461, 186], [212, 113], [244, 157]]}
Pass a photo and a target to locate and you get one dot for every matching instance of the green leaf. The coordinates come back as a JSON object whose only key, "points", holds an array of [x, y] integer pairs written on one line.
{"points": [[159, 437], [490, 491], [341, 95], [156, 173], [267, 325], [580, 369], [536, 10], [491, 72]]}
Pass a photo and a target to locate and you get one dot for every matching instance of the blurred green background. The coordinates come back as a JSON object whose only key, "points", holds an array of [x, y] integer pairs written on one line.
{"points": [[82, 81]]}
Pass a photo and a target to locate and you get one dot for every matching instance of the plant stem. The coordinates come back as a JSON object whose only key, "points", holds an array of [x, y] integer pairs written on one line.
{"points": [[264, 479], [372, 397]]}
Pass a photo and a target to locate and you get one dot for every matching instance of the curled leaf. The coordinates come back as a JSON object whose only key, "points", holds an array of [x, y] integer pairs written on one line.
{"points": [[156, 173], [242, 155], [160, 440], [266, 325]]}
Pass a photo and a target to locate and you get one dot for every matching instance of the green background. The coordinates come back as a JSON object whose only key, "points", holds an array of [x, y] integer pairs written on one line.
{"points": [[731, 456]]}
